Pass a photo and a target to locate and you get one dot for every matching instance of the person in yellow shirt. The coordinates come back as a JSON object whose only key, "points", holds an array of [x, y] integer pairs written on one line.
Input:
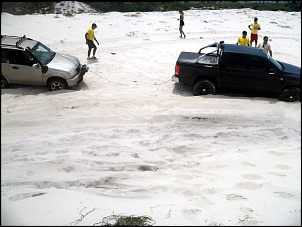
{"points": [[243, 40], [89, 36], [254, 27]]}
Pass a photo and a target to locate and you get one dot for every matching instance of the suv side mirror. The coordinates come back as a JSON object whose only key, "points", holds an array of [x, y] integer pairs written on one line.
{"points": [[36, 66]]}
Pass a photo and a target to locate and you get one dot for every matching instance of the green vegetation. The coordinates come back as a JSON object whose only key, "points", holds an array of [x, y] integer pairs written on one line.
{"points": [[291, 6], [68, 14], [18, 8], [120, 220]]}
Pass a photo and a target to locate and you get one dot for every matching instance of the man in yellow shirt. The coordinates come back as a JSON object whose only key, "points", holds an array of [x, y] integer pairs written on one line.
{"points": [[243, 41], [89, 36], [254, 27]]}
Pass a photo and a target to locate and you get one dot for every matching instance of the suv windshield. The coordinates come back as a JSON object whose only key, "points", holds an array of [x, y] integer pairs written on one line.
{"points": [[43, 53]]}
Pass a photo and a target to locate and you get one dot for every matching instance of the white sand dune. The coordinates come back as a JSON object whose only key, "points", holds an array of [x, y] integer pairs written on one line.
{"points": [[128, 141]]}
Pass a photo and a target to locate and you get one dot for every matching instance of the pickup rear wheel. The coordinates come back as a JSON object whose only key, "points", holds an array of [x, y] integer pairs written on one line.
{"points": [[204, 87], [291, 94]]}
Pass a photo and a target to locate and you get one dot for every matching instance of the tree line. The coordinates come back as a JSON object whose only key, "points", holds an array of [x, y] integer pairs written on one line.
{"points": [[18, 8]]}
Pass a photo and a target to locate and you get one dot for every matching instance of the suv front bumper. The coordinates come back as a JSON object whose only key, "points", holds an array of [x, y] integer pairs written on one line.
{"points": [[84, 69], [78, 78]]}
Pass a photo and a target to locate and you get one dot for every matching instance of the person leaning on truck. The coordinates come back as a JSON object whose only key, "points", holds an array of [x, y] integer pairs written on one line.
{"points": [[265, 46], [243, 40]]}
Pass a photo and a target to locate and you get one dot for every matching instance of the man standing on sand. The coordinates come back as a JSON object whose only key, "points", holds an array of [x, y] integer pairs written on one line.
{"points": [[254, 27], [243, 40], [89, 36], [265, 46]]}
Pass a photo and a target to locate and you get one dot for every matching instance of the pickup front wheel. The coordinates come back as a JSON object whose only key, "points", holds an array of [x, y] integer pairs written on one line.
{"points": [[291, 94], [204, 87]]}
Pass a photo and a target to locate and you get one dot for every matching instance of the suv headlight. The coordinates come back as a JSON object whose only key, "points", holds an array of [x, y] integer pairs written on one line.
{"points": [[73, 73]]}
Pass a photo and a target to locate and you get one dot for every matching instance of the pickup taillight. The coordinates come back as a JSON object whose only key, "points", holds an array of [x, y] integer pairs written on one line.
{"points": [[177, 69]]}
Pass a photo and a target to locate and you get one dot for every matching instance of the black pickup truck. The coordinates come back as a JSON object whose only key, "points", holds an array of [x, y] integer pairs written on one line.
{"points": [[234, 67]]}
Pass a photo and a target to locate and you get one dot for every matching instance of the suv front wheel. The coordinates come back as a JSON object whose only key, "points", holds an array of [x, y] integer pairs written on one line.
{"points": [[55, 84]]}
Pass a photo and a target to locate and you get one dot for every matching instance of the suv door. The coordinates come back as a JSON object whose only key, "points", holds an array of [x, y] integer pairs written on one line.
{"points": [[264, 76], [234, 71], [21, 70]]}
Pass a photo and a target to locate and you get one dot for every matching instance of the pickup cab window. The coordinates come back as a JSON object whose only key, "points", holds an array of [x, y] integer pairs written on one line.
{"points": [[258, 64], [208, 59], [208, 55], [234, 61]]}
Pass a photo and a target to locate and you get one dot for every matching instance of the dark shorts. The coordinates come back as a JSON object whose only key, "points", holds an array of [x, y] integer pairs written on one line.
{"points": [[91, 44], [182, 23], [254, 37]]}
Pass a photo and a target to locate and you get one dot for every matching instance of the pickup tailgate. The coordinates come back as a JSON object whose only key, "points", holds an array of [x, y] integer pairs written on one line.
{"points": [[187, 57]]}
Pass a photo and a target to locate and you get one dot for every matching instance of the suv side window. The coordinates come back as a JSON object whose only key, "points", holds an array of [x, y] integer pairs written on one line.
{"points": [[3, 55], [19, 57]]}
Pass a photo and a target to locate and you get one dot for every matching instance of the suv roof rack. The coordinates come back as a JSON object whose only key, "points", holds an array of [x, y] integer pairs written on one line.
{"points": [[9, 45], [21, 39]]}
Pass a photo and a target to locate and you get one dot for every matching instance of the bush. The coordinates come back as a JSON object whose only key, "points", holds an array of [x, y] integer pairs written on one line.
{"points": [[68, 14]]}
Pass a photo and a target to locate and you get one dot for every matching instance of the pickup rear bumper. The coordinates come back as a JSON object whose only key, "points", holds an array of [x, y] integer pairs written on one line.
{"points": [[175, 79]]}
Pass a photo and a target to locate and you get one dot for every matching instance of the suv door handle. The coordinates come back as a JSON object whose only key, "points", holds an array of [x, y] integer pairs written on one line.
{"points": [[208, 66], [15, 67]]}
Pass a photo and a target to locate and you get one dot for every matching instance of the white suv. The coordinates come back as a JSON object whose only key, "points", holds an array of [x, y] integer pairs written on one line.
{"points": [[27, 61]]}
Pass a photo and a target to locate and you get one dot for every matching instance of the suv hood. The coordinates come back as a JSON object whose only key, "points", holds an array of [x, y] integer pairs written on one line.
{"points": [[63, 62]]}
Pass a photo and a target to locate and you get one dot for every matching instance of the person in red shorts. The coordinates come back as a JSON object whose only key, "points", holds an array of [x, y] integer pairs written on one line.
{"points": [[254, 27]]}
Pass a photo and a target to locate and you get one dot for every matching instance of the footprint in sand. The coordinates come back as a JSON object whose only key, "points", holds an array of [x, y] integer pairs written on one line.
{"points": [[234, 197], [282, 166], [25, 196], [68, 169], [287, 195], [252, 176], [30, 173], [248, 185], [135, 155], [191, 212], [276, 153], [248, 164], [277, 174]]}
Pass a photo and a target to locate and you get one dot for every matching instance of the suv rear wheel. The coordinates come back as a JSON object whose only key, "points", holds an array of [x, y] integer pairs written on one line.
{"points": [[204, 87], [55, 84], [291, 94], [4, 83]]}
